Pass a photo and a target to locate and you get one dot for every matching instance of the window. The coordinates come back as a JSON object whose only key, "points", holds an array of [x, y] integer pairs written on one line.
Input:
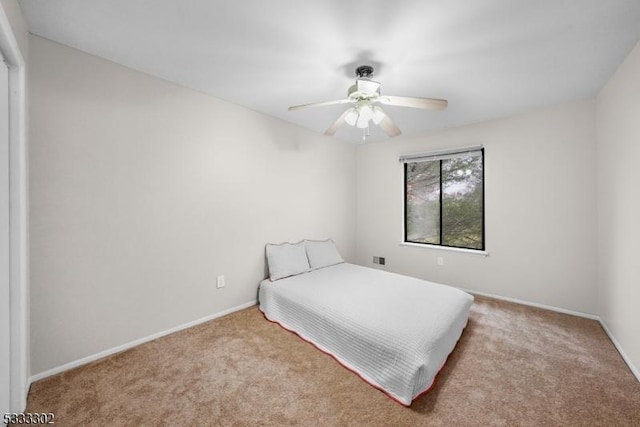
{"points": [[444, 198]]}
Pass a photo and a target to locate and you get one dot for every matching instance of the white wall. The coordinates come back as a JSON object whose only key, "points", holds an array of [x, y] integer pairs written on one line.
{"points": [[540, 208], [143, 191], [618, 122]]}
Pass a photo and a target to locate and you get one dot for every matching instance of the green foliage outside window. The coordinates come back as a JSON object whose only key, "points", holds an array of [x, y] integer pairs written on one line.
{"points": [[445, 202]]}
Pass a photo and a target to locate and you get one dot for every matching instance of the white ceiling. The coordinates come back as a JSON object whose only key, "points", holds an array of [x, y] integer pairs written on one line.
{"points": [[489, 58]]}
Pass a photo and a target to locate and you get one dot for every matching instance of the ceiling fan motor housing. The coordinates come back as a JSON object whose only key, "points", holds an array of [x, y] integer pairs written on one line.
{"points": [[365, 87]]}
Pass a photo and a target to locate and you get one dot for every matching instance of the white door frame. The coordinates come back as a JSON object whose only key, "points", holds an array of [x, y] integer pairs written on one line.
{"points": [[5, 271], [18, 199]]}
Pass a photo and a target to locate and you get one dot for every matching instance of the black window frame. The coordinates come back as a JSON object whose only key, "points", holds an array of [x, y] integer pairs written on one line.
{"points": [[484, 241]]}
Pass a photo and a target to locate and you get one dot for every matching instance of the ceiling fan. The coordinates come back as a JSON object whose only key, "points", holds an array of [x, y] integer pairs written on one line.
{"points": [[364, 97]]}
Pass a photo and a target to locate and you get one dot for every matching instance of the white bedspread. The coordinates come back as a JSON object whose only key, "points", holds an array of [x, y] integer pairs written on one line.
{"points": [[394, 331]]}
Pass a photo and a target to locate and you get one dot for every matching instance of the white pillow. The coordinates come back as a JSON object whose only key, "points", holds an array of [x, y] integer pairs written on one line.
{"points": [[322, 253], [286, 259]]}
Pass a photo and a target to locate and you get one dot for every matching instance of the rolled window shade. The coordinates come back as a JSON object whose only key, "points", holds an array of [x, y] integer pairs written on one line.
{"points": [[442, 155]]}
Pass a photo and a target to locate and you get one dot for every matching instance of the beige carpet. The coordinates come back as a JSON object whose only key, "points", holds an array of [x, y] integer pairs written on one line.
{"points": [[514, 366]]}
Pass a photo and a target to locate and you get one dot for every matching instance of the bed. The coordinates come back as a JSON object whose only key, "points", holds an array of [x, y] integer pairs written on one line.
{"points": [[394, 331]]}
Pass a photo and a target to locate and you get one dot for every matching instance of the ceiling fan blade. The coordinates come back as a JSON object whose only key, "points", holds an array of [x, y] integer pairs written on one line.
{"points": [[389, 127], [338, 123], [319, 104], [405, 101]]}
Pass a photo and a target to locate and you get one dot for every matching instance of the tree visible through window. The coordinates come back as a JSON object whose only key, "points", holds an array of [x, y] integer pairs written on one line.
{"points": [[444, 200]]}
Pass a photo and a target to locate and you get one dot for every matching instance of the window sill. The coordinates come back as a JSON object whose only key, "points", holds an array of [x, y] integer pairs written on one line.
{"points": [[446, 248]]}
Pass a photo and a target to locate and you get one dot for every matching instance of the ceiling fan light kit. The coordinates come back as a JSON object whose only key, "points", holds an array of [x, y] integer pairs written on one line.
{"points": [[378, 115], [365, 113], [352, 116], [364, 95]]}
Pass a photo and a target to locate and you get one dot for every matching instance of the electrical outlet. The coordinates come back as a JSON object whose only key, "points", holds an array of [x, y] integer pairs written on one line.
{"points": [[381, 260], [220, 282], [376, 260], [440, 260]]}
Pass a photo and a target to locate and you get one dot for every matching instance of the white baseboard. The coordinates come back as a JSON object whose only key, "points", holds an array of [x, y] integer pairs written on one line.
{"points": [[626, 358], [615, 342], [135, 343], [533, 304]]}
